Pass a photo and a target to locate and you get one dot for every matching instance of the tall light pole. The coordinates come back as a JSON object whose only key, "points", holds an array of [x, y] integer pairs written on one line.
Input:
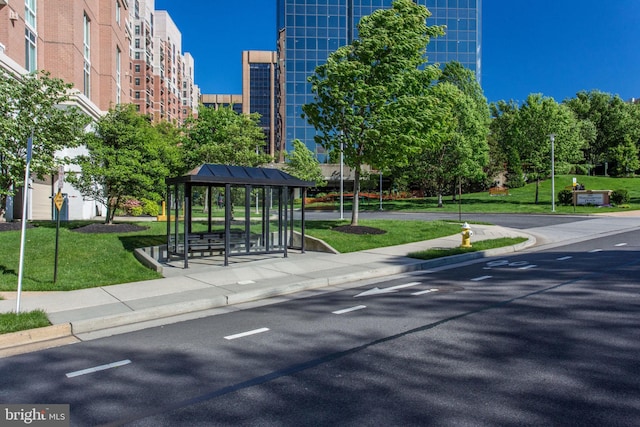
{"points": [[341, 179], [553, 173]]}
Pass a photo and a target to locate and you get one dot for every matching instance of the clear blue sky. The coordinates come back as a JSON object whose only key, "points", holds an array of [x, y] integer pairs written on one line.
{"points": [[553, 47]]}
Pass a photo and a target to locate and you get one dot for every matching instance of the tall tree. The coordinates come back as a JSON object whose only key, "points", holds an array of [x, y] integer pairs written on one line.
{"points": [[302, 164], [358, 107], [126, 156], [473, 120], [616, 123], [538, 118], [223, 136], [34, 104]]}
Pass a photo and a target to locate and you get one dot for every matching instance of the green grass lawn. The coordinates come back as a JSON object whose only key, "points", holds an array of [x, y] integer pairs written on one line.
{"points": [[519, 200]]}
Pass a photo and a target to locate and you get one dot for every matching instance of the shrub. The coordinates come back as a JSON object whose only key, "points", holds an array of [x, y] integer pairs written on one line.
{"points": [[619, 197], [131, 206], [150, 207], [565, 197]]}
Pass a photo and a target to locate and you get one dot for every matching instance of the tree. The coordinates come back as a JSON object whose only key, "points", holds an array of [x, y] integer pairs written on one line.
{"points": [[364, 89], [472, 118], [127, 156], [528, 142], [302, 164], [223, 136], [34, 104], [615, 121], [503, 154]]}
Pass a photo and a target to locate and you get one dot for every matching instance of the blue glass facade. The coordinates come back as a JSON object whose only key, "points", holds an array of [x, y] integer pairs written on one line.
{"points": [[310, 30], [260, 94]]}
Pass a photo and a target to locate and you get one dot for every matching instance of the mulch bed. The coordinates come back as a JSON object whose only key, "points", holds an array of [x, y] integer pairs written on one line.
{"points": [[358, 229], [110, 228], [91, 228]]}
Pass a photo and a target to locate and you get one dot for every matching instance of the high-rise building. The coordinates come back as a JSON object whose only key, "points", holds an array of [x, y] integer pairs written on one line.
{"points": [[258, 91], [310, 30]]}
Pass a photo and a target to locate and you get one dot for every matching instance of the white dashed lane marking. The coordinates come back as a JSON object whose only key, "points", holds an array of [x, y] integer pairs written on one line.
{"points": [[246, 334], [348, 310], [478, 279], [98, 368]]}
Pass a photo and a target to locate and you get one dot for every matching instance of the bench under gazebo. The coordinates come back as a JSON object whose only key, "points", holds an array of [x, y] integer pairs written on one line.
{"points": [[231, 211]]}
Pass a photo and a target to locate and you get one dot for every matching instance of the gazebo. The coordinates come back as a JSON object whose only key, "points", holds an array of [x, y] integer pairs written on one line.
{"points": [[231, 211]]}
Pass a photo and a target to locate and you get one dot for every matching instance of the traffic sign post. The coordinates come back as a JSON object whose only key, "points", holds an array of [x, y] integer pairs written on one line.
{"points": [[58, 201]]}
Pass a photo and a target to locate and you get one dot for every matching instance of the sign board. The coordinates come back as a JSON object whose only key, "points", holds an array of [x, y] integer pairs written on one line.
{"points": [[58, 200]]}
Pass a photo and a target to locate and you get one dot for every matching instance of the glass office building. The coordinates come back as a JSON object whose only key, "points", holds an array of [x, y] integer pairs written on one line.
{"points": [[310, 30]]}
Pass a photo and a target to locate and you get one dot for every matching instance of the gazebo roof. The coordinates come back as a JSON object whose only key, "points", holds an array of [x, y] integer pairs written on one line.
{"points": [[239, 175]]}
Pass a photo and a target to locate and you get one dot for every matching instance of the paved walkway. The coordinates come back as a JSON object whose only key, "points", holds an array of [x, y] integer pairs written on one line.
{"points": [[204, 289]]}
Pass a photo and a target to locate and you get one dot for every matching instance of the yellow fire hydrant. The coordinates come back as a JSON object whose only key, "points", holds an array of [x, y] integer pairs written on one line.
{"points": [[466, 236]]}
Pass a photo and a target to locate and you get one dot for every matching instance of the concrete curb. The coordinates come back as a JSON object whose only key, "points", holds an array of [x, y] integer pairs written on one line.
{"points": [[33, 339], [51, 336]]}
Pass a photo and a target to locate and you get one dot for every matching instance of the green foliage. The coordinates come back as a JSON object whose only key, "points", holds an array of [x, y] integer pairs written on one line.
{"points": [[150, 207], [565, 197], [523, 136], [126, 156], [303, 165], [30, 105], [613, 129], [619, 197], [363, 94], [454, 123], [225, 137]]}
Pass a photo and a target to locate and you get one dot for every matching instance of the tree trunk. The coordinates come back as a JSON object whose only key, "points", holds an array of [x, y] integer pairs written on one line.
{"points": [[356, 196], [439, 198], [537, 190]]}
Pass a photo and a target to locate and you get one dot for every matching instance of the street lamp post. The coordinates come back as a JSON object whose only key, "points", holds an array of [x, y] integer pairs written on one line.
{"points": [[553, 174], [341, 180]]}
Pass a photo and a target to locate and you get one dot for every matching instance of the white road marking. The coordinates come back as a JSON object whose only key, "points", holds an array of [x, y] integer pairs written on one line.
{"points": [[477, 279], [425, 292], [564, 258], [98, 368], [348, 310], [246, 282], [246, 334], [376, 290], [526, 267], [595, 250], [621, 244]]}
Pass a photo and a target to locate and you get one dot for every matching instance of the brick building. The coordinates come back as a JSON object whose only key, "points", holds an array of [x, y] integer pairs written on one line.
{"points": [[113, 52]]}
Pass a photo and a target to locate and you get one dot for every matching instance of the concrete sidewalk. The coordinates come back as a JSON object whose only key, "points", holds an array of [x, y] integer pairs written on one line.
{"points": [[203, 289]]}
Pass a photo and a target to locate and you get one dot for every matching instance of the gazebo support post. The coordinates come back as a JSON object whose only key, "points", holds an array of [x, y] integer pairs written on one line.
{"points": [[227, 222]]}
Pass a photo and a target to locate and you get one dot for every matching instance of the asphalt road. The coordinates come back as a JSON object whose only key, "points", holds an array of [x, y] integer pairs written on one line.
{"points": [[538, 338]]}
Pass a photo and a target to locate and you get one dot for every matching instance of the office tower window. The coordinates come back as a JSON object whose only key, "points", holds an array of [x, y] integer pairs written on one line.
{"points": [[118, 81], [30, 36], [118, 12], [260, 92], [87, 56]]}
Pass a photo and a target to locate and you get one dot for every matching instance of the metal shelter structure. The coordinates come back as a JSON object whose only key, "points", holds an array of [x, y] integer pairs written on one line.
{"points": [[203, 205]]}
